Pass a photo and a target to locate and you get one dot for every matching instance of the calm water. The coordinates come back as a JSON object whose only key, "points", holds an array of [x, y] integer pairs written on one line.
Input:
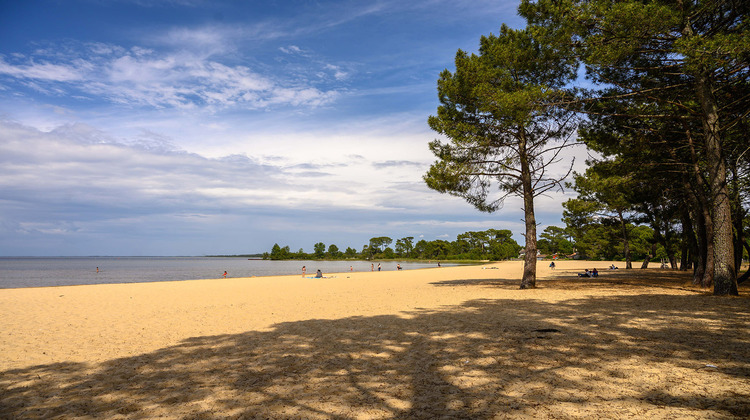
{"points": [[67, 271]]}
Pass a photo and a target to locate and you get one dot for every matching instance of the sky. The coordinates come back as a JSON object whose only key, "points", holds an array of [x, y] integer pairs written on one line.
{"points": [[207, 127]]}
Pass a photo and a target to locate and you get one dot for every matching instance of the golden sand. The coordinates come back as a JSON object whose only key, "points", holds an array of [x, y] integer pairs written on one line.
{"points": [[454, 342]]}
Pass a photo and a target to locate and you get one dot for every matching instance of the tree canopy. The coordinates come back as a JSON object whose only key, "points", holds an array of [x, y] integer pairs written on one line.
{"points": [[497, 111]]}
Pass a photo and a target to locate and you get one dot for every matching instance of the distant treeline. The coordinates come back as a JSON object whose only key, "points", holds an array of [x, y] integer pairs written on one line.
{"points": [[596, 240], [490, 244]]}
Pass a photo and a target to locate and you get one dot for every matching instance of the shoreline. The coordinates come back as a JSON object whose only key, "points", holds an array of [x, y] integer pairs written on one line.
{"points": [[412, 343], [43, 272], [93, 311]]}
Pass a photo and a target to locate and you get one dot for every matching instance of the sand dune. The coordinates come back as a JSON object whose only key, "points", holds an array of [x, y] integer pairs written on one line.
{"points": [[457, 342]]}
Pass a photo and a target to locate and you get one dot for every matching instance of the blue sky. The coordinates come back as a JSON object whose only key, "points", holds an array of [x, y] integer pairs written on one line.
{"points": [[194, 127]]}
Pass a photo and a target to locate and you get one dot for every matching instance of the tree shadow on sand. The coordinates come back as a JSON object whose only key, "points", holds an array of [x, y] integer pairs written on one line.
{"points": [[647, 355]]}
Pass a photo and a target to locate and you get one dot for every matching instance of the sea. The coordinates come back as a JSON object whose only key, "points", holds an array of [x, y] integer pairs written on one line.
{"points": [[19, 272]]}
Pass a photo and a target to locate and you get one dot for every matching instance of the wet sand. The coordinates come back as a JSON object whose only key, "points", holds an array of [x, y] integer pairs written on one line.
{"points": [[454, 342]]}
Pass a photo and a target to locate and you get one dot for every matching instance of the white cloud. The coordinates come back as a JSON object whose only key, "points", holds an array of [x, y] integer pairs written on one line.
{"points": [[41, 71], [291, 49], [173, 79], [338, 73]]}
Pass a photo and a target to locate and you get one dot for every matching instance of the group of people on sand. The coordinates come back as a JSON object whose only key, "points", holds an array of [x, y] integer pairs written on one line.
{"points": [[587, 273], [318, 274]]}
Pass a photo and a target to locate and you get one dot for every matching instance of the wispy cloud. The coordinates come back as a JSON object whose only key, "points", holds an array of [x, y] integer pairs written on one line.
{"points": [[44, 71], [176, 79]]}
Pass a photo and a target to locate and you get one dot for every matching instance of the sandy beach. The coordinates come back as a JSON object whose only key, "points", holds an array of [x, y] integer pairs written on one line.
{"points": [[452, 342]]}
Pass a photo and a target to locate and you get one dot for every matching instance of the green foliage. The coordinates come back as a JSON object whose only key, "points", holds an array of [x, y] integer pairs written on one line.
{"points": [[333, 251], [350, 253], [496, 110], [404, 246], [378, 245], [279, 253], [554, 240], [388, 253], [319, 250], [491, 244]]}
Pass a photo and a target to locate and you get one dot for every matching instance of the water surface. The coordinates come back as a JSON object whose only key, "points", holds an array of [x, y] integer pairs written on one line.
{"points": [[67, 271]]}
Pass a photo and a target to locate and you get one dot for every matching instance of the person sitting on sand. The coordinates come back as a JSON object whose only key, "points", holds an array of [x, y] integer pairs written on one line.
{"points": [[319, 275], [552, 265], [585, 273], [613, 267], [594, 273]]}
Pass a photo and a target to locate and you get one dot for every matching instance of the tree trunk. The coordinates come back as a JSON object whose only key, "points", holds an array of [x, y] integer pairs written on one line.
{"points": [[705, 272], [664, 241], [698, 243], [745, 276], [708, 248], [625, 240], [529, 264], [649, 256], [738, 214], [673, 261], [687, 232], [725, 276]]}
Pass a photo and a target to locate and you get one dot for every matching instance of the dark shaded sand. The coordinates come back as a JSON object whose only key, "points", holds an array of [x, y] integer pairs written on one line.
{"points": [[438, 343]]}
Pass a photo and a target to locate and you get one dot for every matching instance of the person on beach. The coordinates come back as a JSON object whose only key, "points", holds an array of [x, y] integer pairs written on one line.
{"points": [[372, 267], [351, 268], [398, 266], [378, 266], [552, 265], [594, 273], [225, 274], [319, 275], [585, 273], [304, 270]]}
